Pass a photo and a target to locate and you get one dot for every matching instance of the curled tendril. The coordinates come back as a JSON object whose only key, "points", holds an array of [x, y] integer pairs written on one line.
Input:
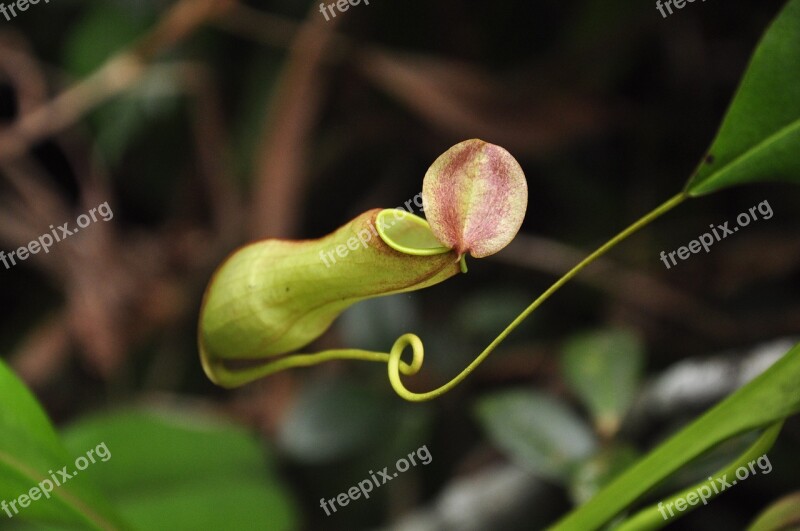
{"points": [[396, 366], [221, 374]]}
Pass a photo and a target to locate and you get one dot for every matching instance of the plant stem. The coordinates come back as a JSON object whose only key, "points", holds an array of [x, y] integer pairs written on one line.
{"points": [[655, 516], [769, 398], [221, 374], [397, 350]]}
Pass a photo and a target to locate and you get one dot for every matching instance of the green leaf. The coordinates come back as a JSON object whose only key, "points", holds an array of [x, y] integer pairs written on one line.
{"points": [[332, 421], [537, 431], [604, 368], [784, 515], [29, 450], [104, 30], [597, 471], [375, 323], [653, 517], [760, 136], [125, 118], [180, 470], [769, 398], [482, 313]]}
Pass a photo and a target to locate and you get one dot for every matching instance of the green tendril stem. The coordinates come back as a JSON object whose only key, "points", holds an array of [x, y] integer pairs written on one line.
{"points": [[221, 374], [652, 517], [395, 368]]}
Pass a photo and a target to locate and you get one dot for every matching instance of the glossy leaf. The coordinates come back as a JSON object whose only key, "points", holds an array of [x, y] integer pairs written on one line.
{"points": [[181, 470], [760, 136], [475, 198], [604, 368], [537, 431], [29, 450]]}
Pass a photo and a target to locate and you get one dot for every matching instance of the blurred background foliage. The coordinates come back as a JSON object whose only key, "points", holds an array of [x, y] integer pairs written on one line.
{"points": [[209, 123]]}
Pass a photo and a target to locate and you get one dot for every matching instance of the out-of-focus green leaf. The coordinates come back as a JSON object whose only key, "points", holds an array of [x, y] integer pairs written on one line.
{"points": [[765, 401], [537, 431], [29, 450], [374, 323], [593, 474], [652, 518], [485, 312], [104, 30], [604, 368], [333, 421], [184, 472], [760, 136], [261, 73], [123, 119], [783, 515]]}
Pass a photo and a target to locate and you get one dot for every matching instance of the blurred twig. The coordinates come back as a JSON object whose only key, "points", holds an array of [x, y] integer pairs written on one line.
{"points": [[117, 291], [632, 286], [116, 75], [281, 168], [44, 350], [18, 64], [468, 101]]}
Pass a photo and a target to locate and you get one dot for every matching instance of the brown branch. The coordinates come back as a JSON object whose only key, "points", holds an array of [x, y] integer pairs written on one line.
{"points": [[634, 287], [118, 74], [282, 163]]}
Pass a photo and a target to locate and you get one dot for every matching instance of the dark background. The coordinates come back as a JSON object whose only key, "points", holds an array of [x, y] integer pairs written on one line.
{"points": [[262, 120]]}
